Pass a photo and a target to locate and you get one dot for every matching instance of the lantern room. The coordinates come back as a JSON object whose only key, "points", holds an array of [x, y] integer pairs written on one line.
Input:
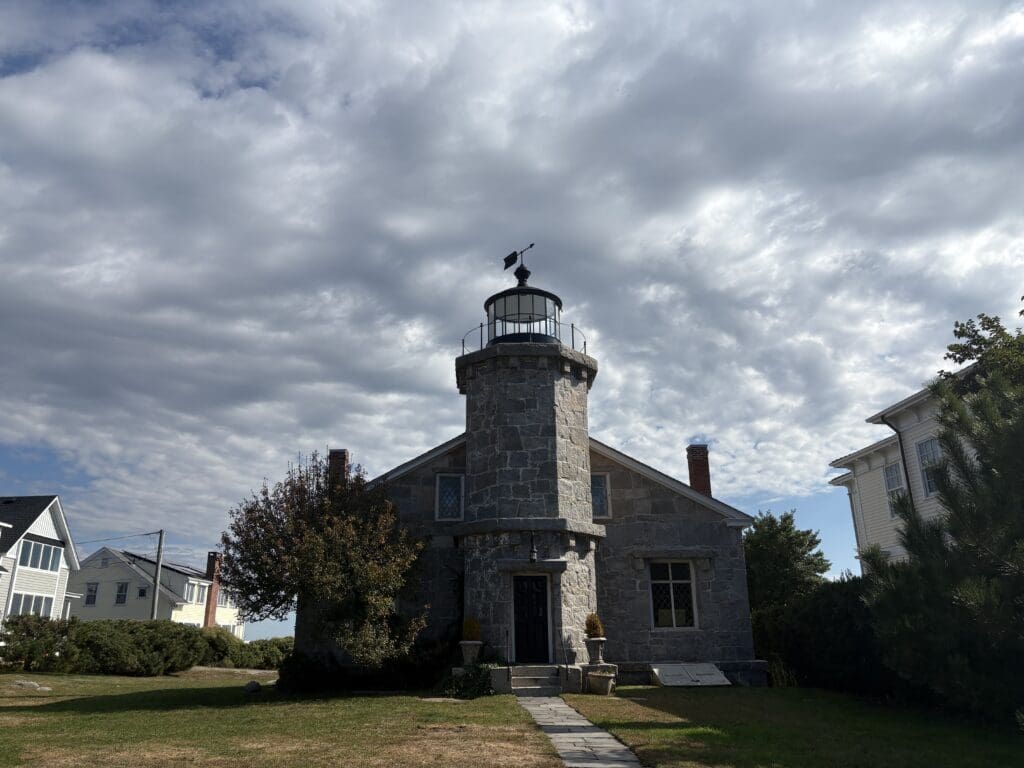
{"points": [[523, 314]]}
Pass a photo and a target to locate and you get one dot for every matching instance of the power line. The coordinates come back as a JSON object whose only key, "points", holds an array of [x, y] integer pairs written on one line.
{"points": [[116, 538]]}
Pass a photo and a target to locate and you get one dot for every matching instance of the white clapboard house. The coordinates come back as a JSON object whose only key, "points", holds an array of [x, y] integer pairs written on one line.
{"points": [[37, 557]]}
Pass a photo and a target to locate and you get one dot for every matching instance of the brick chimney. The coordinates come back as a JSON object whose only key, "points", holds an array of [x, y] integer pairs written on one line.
{"points": [[337, 465], [213, 560], [700, 471]]}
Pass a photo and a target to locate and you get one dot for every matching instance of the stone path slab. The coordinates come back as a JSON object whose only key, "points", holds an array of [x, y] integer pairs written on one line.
{"points": [[579, 742]]}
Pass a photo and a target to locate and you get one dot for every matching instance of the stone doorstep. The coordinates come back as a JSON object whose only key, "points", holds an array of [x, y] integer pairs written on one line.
{"points": [[547, 681], [537, 691], [534, 670]]}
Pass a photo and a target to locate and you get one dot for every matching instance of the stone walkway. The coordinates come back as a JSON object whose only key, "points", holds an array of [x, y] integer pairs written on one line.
{"points": [[579, 742]]}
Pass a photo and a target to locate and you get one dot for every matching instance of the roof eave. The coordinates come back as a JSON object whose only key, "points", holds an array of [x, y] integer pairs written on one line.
{"points": [[424, 458], [846, 462]]}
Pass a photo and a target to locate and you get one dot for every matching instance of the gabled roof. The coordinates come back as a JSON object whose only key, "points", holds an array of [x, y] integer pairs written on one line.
{"points": [[17, 513], [734, 517], [130, 561], [419, 461], [845, 462], [184, 570]]}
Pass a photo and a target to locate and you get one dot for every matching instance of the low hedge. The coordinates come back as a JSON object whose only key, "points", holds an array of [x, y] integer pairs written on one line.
{"points": [[104, 646], [223, 649], [124, 647]]}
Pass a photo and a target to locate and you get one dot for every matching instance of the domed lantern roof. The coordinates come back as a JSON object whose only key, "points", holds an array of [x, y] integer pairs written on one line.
{"points": [[523, 314]]}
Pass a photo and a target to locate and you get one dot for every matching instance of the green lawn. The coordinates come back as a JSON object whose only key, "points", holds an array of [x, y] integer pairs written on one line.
{"points": [[205, 719], [791, 728]]}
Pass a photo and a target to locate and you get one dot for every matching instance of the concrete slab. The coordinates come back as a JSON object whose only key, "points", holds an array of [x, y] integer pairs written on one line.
{"points": [[688, 675]]}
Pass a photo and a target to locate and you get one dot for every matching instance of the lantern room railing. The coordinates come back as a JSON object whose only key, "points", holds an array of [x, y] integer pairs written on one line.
{"points": [[543, 331]]}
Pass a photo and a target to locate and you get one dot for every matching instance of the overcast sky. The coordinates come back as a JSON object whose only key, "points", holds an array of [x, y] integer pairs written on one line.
{"points": [[231, 233]]}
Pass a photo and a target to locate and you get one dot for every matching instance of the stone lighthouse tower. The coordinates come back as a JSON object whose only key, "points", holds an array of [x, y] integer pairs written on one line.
{"points": [[528, 537]]}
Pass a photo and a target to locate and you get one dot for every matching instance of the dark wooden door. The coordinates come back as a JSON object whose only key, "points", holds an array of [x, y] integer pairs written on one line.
{"points": [[531, 608]]}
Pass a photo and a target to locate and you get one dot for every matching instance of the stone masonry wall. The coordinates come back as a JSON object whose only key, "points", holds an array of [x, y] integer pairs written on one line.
{"points": [[650, 521], [491, 561], [526, 432], [437, 575]]}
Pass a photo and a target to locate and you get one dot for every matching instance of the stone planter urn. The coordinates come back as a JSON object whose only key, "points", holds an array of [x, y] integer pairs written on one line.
{"points": [[470, 651], [601, 683], [595, 649]]}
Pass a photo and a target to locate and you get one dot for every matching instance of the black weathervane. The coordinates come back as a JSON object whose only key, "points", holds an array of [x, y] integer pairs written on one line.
{"points": [[522, 273]]}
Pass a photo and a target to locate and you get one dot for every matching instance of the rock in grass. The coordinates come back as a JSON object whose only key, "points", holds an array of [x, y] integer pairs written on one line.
{"points": [[44, 689], [253, 687], [27, 684]]}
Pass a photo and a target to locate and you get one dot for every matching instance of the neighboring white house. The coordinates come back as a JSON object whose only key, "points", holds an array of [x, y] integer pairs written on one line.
{"points": [[904, 462], [116, 584], [36, 556]]}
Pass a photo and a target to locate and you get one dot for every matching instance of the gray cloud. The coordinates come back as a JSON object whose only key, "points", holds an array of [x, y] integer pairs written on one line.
{"points": [[237, 232]]}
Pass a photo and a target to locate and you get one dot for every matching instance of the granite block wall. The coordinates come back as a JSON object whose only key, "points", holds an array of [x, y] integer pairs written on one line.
{"points": [[648, 522]]}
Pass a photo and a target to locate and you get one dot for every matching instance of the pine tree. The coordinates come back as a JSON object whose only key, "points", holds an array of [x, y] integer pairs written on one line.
{"points": [[951, 617], [783, 561]]}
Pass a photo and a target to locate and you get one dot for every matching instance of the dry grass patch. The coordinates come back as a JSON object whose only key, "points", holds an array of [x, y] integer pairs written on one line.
{"points": [[204, 718], [471, 746]]}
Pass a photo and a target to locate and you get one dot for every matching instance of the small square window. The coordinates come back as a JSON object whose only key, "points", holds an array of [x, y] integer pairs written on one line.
{"points": [[143, 592], [599, 494], [449, 497]]}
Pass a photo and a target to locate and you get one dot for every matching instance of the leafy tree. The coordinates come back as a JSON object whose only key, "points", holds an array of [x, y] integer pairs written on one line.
{"points": [[988, 347], [951, 617], [783, 562], [334, 547]]}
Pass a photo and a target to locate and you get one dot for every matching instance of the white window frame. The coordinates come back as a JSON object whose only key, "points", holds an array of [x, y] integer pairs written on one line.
{"points": [[118, 593], [34, 596], [895, 492], [925, 467], [607, 495], [95, 594], [437, 497], [202, 590], [224, 599], [141, 593], [44, 549], [190, 592], [651, 581]]}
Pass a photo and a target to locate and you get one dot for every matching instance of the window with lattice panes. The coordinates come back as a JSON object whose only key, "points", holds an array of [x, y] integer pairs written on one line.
{"points": [[448, 497], [672, 594], [599, 495]]}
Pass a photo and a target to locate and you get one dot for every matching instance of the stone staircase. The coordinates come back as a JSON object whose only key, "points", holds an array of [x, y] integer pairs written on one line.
{"points": [[536, 680]]}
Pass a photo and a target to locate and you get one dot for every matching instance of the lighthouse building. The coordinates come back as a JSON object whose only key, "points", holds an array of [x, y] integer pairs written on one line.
{"points": [[531, 524]]}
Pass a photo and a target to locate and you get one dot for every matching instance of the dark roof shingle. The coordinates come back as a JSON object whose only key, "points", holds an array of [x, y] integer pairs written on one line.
{"points": [[20, 512]]}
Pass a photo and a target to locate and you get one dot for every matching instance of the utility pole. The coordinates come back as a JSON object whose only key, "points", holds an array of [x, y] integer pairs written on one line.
{"points": [[156, 572]]}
